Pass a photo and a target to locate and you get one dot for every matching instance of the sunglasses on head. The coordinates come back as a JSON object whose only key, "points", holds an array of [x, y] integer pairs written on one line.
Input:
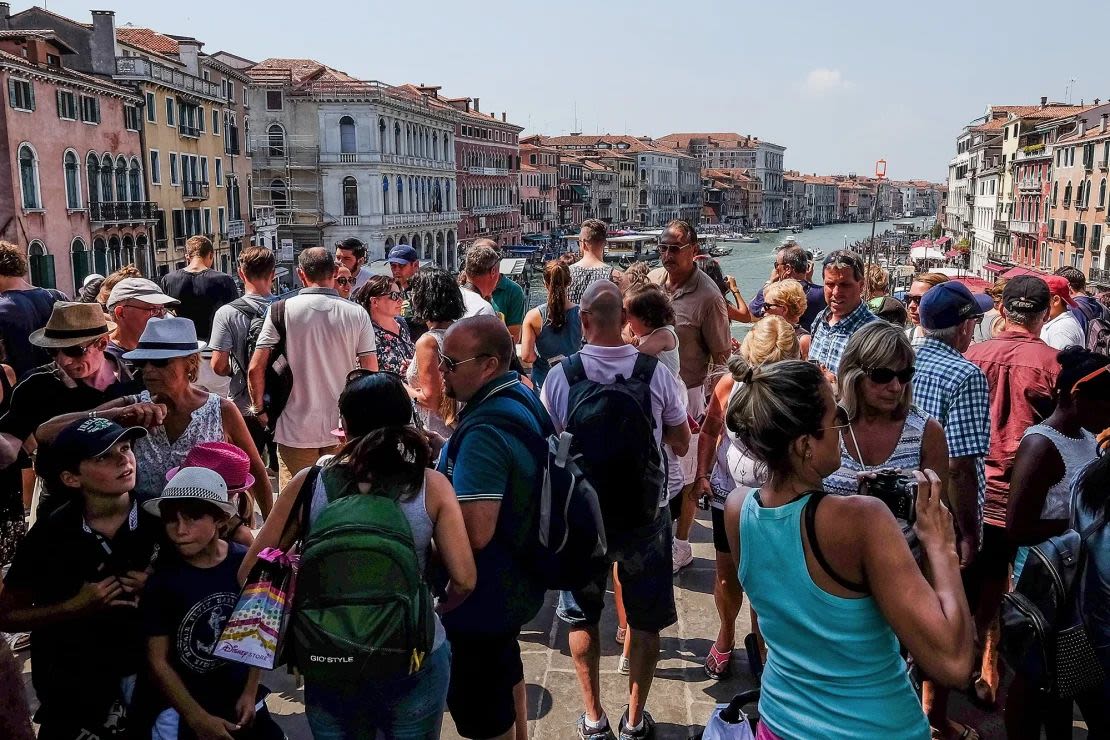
{"points": [[883, 375], [72, 352]]}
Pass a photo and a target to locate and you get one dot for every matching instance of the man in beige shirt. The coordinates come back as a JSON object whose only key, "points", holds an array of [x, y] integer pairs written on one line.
{"points": [[701, 321]]}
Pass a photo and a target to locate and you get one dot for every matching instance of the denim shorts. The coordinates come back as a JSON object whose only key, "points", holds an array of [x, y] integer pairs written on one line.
{"points": [[410, 708], [643, 558]]}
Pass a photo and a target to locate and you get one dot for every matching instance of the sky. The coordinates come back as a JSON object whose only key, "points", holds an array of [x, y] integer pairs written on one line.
{"points": [[840, 85]]}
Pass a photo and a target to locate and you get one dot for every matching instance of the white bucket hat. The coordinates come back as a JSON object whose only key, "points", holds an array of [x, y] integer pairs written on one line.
{"points": [[200, 484], [166, 338]]}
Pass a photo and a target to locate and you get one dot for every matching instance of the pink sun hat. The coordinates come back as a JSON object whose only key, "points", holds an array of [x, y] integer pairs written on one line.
{"points": [[229, 461]]}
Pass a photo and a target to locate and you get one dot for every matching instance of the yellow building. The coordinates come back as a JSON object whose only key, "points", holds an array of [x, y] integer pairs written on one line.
{"points": [[189, 101]]}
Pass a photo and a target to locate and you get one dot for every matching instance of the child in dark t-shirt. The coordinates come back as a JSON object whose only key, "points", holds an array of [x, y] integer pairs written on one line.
{"points": [[185, 608]]}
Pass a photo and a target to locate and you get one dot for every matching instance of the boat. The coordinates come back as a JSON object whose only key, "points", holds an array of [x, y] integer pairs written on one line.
{"points": [[738, 238], [818, 255], [720, 250], [796, 229]]}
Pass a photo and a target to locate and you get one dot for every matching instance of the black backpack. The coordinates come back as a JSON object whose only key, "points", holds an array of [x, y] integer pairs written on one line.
{"points": [[613, 431], [279, 377], [560, 536], [1043, 631]]}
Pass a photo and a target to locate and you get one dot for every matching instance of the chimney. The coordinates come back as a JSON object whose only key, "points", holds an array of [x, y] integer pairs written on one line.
{"points": [[503, 118], [188, 51], [102, 45], [1102, 123], [5, 14], [1044, 101], [476, 108]]}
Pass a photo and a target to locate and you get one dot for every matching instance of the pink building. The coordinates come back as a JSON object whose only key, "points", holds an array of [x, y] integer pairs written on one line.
{"points": [[72, 190], [1032, 179]]}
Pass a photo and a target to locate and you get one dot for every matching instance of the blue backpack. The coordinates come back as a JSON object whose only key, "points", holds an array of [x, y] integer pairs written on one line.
{"points": [[561, 538]]}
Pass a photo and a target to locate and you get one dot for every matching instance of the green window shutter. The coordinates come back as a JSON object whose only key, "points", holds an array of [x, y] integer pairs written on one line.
{"points": [[11, 92]]}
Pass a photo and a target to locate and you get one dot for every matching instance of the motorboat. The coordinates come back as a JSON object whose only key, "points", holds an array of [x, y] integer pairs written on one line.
{"points": [[738, 237], [720, 250]]}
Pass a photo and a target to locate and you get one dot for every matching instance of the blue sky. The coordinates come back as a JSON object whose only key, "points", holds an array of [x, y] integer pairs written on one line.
{"points": [[839, 84]]}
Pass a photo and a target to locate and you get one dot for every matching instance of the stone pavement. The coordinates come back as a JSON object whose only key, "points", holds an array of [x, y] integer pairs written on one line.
{"points": [[681, 698]]}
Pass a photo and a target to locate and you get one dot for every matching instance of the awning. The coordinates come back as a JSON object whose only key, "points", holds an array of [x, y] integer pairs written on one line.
{"points": [[1015, 271], [975, 284], [990, 267], [952, 253], [925, 253], [943, 240], [581, 190]]}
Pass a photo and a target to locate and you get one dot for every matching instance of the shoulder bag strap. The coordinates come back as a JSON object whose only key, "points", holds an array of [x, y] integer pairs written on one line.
{"points": [[574, 370], [810, 512], [644, 369]]}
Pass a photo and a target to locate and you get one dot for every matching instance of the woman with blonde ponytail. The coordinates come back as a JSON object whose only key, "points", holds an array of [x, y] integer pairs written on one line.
{"points": [[552, 331], [724, 464]]}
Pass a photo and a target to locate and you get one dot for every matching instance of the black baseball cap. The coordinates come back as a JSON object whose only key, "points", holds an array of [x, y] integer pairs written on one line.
{"points": [[85, 439], [1026, 294]]}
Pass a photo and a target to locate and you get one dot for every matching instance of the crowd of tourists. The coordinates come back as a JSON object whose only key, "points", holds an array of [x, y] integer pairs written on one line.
{"points": [[434, 458]]}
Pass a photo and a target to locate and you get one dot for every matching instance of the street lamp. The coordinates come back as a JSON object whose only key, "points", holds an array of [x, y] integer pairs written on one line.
{"points": [[880, 174]]}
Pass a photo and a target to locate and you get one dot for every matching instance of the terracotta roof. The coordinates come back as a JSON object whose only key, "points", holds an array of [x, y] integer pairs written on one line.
{"points": [[727, 140], [440, 101], [6, 57], [146, 38], [301, 70], [593, 141]]}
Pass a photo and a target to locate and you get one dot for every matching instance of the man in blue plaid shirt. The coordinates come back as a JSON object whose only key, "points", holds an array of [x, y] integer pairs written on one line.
{"points": [[842, 275], [953, 390]]}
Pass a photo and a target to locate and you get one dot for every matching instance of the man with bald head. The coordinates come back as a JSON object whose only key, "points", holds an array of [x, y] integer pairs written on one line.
{"points": [[642, 553], [495, 461]]}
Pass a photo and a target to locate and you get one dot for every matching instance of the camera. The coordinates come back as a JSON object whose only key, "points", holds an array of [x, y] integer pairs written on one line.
{"points": [[895, 489]]}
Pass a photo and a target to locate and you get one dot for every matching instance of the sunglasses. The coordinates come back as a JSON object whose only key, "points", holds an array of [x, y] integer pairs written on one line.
{"points": [[844, 259], [664, 248], [151, 310], [72, 352], [393, 295], [450, 364], [1089, 377], [913, 299], [344, 281], [842, 419], [883, 375], [160, 362]]}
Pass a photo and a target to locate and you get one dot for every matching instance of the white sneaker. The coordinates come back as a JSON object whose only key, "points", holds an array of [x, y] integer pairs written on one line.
{"points": [[681, 555], [623, 666]]}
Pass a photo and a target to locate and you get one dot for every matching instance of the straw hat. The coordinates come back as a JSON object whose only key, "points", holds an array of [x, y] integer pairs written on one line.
{"points": [[71, 324], [194, 483], [166, 338]]}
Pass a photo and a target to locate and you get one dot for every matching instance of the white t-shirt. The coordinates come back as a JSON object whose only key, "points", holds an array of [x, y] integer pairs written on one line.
{"points": [[361, 278], [476, 305], [1063, 331], [325, 336], [602, 365]]}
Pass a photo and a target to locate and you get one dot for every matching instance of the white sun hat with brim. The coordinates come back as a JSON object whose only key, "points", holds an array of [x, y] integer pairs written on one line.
{"points": [[165, 338], [196, 484]]}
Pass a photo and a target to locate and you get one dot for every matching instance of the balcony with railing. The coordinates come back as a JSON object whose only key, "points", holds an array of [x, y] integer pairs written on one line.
{"points": [[231, 140], [1099, 276], [412, 219], [138, 68], [194, 190], [1030, 184], [1023, 227], [122, 211], [189, 130], [1001, 227], [487, 171]]}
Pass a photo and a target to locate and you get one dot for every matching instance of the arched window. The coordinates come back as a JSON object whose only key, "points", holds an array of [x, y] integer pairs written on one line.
{"points": [[29, 177], [73, 181], [100, 256], [1067, 193], [1102, 194], [1055, 191], [400, 195], [437, 203], [121, 179], [276, 139], [347, 135], [79, 262], [106, 177], [92, 174], [350, 197], [381, 135], [396, 138], [279, 197], [385, 193], [135, 181], [447, 197], [435, 146]]}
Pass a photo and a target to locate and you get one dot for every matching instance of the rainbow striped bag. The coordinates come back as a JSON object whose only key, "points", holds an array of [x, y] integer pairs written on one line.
{"points": [[254, 633]]}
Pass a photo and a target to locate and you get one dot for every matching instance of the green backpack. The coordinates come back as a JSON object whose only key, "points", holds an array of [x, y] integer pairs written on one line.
{"points": [[361, 608]]}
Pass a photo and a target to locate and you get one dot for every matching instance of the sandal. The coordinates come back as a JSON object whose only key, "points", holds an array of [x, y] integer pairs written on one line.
{"points": [[965, 732], [981, 694], [718, 665], [622, 632]]}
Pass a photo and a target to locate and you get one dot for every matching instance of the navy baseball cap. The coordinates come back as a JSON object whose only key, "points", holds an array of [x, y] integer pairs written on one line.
{"points": [[403, 255], [951, 303], [87, 438]]}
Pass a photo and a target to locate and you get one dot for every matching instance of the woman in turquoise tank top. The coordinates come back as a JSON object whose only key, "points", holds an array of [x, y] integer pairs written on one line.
{"points": [[832, 579]]}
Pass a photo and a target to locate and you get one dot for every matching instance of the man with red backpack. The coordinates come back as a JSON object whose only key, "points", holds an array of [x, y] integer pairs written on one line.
{"points": [[620, 406]]}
